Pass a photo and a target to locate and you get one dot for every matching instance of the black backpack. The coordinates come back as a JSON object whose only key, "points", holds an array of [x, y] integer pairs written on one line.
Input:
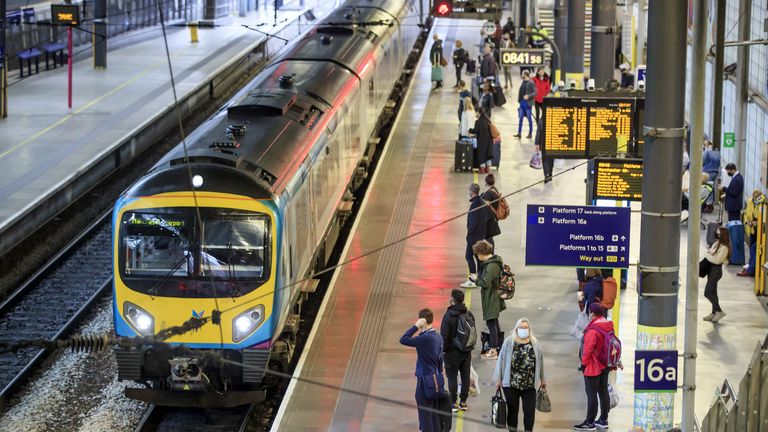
{"points": [[466, 332]]}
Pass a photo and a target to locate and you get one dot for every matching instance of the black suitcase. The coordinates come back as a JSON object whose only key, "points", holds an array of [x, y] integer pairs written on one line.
{"points": [[498, 96], [446, 414], [496, 153], [471, 67], [463, 156]]}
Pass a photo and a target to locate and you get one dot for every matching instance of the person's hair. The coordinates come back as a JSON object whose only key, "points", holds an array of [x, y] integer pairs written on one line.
{"points": [[724, 239], [474, 188], [468, 104], [730, 166], [426, 313], [526, 74], [462, 84], [482, 248], [490, 180], [435, 36], [487, 48], [480, 111], [459, 44], [592, 272], [597, 309], [541, 69], [458, 296]]}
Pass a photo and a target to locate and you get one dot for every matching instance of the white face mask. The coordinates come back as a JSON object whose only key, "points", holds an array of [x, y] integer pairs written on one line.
{"points": [[523, 333]]}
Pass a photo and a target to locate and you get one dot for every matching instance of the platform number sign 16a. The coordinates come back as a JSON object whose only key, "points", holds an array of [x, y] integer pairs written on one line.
{"points": [[656, 371]]}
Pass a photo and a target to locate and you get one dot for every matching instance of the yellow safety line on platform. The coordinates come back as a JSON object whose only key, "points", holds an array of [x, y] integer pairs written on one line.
{"points": [[86, 106]]}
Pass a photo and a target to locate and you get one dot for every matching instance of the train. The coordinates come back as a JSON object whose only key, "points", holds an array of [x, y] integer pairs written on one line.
{"points": [[229, 227]]}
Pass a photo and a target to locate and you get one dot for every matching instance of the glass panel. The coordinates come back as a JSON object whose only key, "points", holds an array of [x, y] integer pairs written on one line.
{"points": [[155, 244], [234, 247]]}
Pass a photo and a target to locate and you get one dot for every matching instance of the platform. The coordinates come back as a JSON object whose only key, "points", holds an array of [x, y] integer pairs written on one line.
{"points": [[371, 302], [50, 155]]}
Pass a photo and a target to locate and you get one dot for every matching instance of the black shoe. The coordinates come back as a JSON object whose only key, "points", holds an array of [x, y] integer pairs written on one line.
{"points": [[585, 427], [601, 424], [529, 135], [516, 135]]}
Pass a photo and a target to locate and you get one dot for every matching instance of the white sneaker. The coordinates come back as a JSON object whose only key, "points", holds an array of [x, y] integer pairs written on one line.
{"points": [[709, 317], [718, 316], [468, 284]]}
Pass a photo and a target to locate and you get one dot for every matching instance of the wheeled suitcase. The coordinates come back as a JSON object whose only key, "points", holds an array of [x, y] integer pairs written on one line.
{"points": [[498, 96], [437, 73], [446, 415], [736, 232], [496, 153], [463, 155], [471, 67]]}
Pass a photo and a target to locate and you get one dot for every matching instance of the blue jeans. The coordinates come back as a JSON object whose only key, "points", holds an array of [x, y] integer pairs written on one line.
{"points": [[524, 111]]}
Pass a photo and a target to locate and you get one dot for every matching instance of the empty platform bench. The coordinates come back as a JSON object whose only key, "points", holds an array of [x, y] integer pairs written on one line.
{"points": [[54, 51], [28, 56]]}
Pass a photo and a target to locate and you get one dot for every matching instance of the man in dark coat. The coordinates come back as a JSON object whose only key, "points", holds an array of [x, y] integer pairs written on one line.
{"points": [[491, 196], [488, 64], [734, 192], [484, 151], [457, 361], [509, 27], [477, 228], [547, 162]]}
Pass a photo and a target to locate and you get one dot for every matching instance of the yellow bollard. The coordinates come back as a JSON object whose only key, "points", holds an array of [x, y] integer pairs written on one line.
{"points": [[193, 32]]}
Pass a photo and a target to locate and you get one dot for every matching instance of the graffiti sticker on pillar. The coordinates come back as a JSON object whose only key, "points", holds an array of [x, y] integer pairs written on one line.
{"points": [[655, 371]]}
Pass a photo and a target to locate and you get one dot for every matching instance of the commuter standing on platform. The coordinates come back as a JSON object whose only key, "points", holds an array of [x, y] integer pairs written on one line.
{"points": [[734, 193], [717, 255], [458, 360], [627, 78], [438, 61], [491, 196], [460, 57], [543, 87], [509, 27], [595, 372], [520, 372], [506, 43], [467, 119], [429, 367], [477, 228], [486, 99], [547, 161], [484, 150], [525, 97], [488, 281], [711, 162], [463, 94], [488, 64], [750, 224], [593, 289]]}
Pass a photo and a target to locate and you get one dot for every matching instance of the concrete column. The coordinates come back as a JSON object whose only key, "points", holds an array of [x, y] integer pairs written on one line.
{"points": [[742, 83], [100, 34], [574, 53], [659, 267], [603, 41], [561, 36]]}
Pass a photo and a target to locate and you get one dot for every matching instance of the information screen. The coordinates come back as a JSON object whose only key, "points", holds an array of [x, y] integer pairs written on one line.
{"points": [[522, 57], [581, 128], [620, 179]]}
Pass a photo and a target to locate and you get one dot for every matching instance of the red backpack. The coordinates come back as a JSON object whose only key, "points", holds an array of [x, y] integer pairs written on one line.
{"points": [[608, 298], [610, 353]]}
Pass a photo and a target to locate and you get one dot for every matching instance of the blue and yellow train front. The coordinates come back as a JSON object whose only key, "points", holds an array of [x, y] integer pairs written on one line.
{"points": [[179, 255]]}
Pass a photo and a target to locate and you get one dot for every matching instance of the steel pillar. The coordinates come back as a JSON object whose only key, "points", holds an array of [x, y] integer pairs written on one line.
{"points": [[521, 39], [659, 267], [603, 41], [717, 100], [700, 15], [574, 53], [561, 37], [3, 64], [100, 34], [742, 83]]}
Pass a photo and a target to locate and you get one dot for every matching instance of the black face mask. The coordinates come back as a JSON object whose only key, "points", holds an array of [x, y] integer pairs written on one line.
{"points": [[717, 236]]}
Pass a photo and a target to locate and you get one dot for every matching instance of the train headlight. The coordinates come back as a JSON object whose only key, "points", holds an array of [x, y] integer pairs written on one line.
{"points": [[247, 322], [141, 320]]}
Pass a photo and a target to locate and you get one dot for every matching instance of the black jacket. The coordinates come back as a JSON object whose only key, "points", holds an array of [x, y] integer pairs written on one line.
{"points": [[734, 193], [491, 195], [527, 87], [482, 131], [448, 325], [488, 66], [460, 57], [436, 53], [477, 221]]}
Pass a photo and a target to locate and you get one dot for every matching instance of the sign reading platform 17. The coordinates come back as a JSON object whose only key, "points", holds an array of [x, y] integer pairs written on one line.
{"points": [[522, 57], [656, 371], [577, 236]]}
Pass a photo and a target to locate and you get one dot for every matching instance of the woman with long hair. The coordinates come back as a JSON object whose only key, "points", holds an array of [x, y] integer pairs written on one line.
{"points": [[467, 118], [717, 255]]}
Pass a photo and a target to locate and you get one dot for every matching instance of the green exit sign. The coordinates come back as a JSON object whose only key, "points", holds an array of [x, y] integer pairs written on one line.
{"points": [[729, 139]]}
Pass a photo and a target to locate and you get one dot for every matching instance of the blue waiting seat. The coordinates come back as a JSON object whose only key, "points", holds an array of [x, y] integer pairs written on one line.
{"points": [[29, 55], [54, 51]]}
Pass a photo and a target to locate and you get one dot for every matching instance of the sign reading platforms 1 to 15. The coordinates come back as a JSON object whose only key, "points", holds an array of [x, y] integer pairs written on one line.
{"points": [[656, 371], [522, 57], [577, 236], [583, 128], [619, 179]]}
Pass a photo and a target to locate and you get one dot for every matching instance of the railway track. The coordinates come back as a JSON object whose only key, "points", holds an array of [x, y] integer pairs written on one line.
{"points": [[52, 302], [168, 419]]}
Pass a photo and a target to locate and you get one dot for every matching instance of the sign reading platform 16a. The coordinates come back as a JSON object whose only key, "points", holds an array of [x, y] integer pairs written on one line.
{"points": [[522, 57], [656, 371]]}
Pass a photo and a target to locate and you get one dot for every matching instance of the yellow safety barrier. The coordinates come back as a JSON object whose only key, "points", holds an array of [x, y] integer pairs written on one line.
{"points": [[193, 32], [760, 249]]}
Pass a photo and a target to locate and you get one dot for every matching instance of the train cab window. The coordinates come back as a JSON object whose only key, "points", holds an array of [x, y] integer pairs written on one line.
{"points": [[155, 244], [235, 247]]}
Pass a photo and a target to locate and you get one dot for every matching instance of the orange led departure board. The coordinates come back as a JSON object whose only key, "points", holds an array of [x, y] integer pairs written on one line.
{"points": [[583, 128], [620, 179]]}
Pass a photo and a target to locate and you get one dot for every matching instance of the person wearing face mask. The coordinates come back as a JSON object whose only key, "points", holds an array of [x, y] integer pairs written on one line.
{"points": [[734, 192], [458, 361], [750, 224], [717, 255], [595, 372], [519, 373]]}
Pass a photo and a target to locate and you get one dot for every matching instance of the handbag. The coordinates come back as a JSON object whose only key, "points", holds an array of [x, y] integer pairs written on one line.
{"points": [[495, 133], [582, 321], [704, 267], [499, 410], [543, 403], [613, 395], [535, 162], [443, 61]]}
